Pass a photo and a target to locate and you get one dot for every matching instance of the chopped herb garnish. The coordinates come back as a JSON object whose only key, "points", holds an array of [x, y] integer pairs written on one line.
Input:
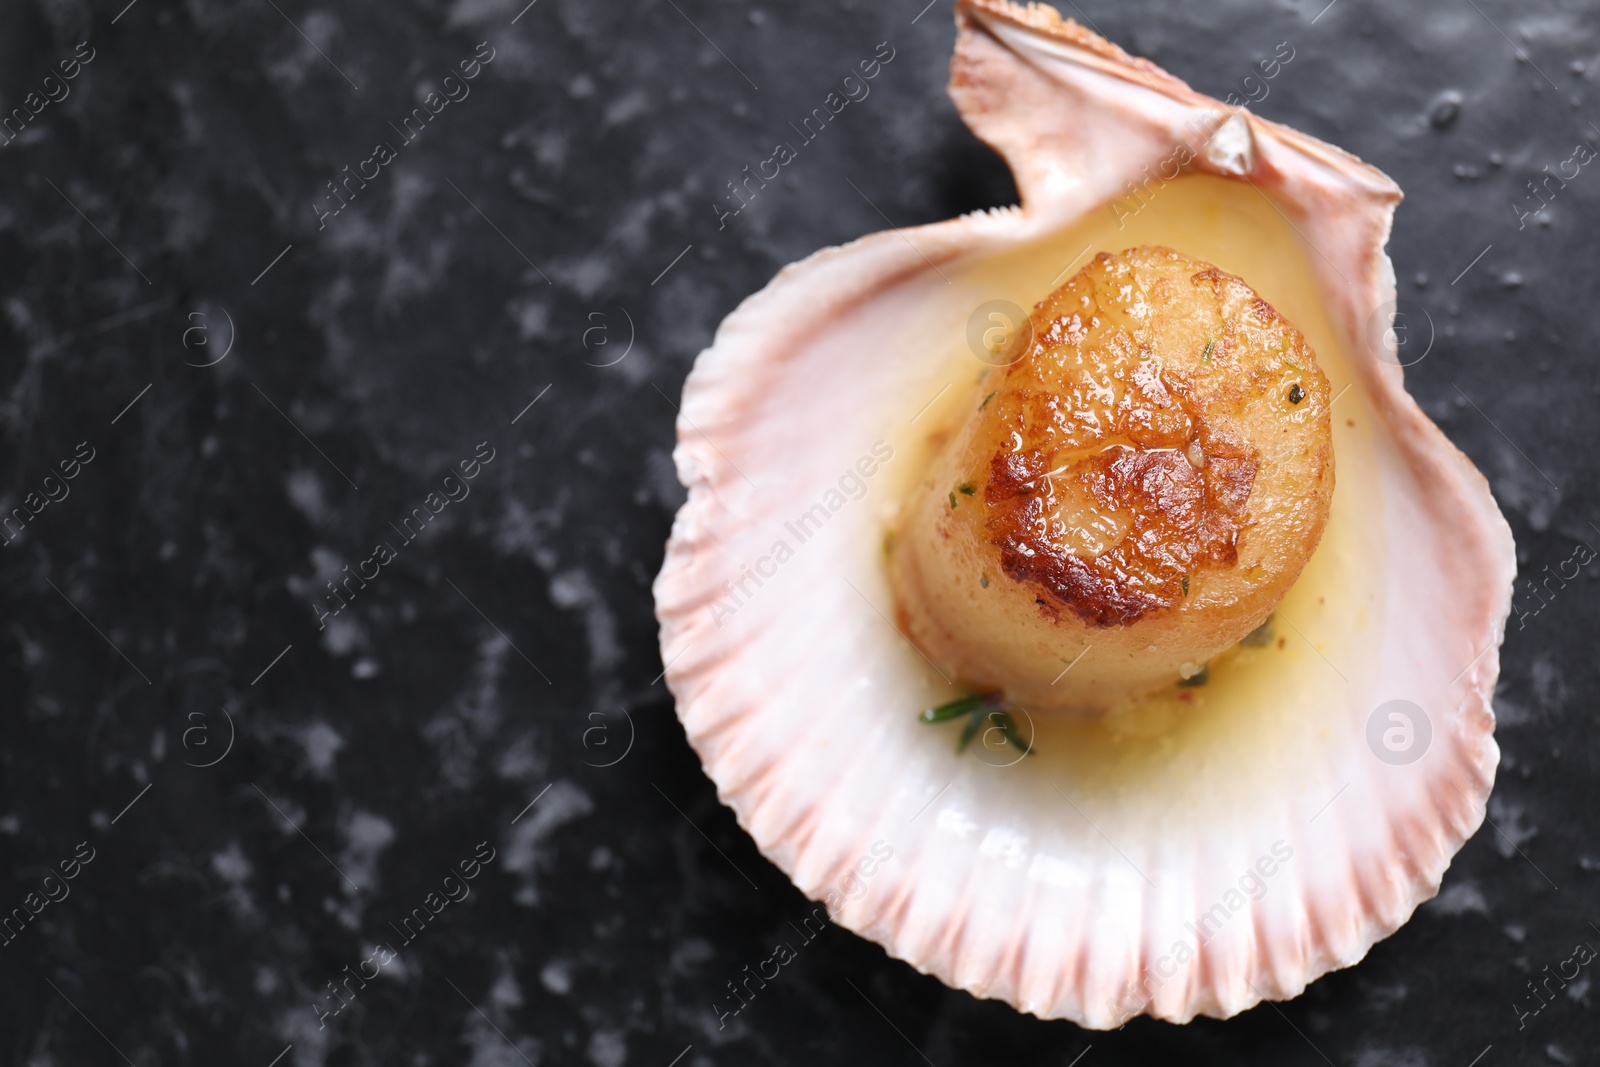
{"points": [[1296, 394], [1205, 357], [952, 501], [966, 489], [979, 708], [1185, 585], [1293, 364], [954, 709], [1008, 730], [983, 580], [1197, 679], [1260, 637], [986, 400], [969, 731]]}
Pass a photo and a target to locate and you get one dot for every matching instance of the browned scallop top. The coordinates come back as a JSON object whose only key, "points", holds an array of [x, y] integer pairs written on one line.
{"points": [[1123, 446]]}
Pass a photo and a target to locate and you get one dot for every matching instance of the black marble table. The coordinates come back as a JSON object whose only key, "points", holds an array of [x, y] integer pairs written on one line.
{"points": [[269, 284]]}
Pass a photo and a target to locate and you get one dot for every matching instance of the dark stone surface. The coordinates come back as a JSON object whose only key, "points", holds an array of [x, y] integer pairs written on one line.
{"points": [[490, 659]]}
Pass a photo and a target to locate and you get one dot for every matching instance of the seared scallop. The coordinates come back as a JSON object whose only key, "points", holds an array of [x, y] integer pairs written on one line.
{"points": [[1146, 479]]}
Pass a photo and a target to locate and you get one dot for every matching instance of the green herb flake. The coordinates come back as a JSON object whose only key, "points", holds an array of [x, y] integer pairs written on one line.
{"points": [[969, 731], [1196, 680], [952, 501], [1185, 585], [1205, 357], [1008, 730], [1293, 364], [1260, 637], [955, 709], [986, 400], [978, 709], [983, 581], [966, 489]]}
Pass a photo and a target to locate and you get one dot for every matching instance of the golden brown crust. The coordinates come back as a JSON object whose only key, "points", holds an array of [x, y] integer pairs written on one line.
{"points": [[1120, 455], [1186, 520]]}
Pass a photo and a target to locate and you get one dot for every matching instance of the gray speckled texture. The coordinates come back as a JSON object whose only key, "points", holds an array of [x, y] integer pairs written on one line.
{"points": [[493, 657]]}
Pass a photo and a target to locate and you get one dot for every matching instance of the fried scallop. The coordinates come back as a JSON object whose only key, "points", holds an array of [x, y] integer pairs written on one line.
{"points": [[1146, 479]]}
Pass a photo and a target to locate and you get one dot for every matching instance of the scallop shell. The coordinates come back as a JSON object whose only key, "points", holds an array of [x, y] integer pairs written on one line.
{"points": [[1194, 861]]}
